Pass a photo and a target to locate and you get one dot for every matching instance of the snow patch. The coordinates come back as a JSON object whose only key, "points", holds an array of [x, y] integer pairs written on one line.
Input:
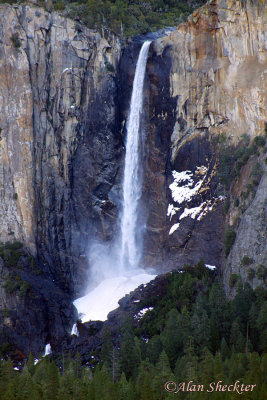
{"points": [[172, 211], [48, 350], [74, 330], [191, 212], [174, 228], [188, 190], [183, 189], [142, 312], [66, 69], [104, 298], [212, 267]]}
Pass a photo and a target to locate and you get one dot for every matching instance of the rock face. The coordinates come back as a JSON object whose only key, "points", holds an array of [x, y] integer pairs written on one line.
{"points": [[64, 99], [58, 111], [59, 154], [206, 79]]}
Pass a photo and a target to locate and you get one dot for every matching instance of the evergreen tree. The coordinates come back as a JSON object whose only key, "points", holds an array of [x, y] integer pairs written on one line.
{"points": [[154, 348], [262, 327], [144, 379], [129, 355], [225, 351], [163, 374], [52, 381], [175, 333], [206, 367]]}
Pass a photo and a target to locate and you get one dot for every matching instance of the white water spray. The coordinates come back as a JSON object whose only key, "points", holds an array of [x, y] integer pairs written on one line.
{"points": [[132, 181]]}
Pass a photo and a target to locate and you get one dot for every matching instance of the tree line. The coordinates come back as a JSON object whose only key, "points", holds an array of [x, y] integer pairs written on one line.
{"points": [[191, 333]]}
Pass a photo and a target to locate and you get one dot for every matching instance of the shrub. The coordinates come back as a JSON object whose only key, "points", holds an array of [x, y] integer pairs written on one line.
{"points": [[24, 287], [15, 40], [262, 272], [236, 203], [5, 348], [15, 196], [11, 285], [246, 260], [229, 239], [233, 280], [259, 141], [251, 274], [110, 68], [59, 6], [6, 312], [226, 206], [13, 245]]}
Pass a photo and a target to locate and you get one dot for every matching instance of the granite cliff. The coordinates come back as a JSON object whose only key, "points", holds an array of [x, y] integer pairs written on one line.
{"points": [[64, 98]]}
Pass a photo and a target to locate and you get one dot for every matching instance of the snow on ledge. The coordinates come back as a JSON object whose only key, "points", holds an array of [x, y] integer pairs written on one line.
{"points": [[188, 190], [174, 228], [48, 350], [97, 304], [212, 267], [142, 312]]}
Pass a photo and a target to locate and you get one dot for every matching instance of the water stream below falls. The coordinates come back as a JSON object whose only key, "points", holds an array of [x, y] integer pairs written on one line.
{"points": [[127, 275]]}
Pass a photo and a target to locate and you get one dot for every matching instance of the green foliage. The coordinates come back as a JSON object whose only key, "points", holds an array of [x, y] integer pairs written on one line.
{"points": [[11, 252], [110, 68], [226, 206], [128, 18], [14, 283], [11, 285], [15, 40], [259, 141], [230, 161], [233, 280], [236, 203], [209, 339], [229, 239], [246, 260], [251, 274], [6, 312], [262, 272], [15, 196], [59, 6]]}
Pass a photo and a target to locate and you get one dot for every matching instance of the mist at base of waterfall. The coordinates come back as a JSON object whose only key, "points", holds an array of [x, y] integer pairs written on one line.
{"points": [[109, 281]]}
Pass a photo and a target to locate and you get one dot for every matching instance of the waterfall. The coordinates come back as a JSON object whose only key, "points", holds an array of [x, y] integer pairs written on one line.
{"points": [[116, 274], [132, 180]]}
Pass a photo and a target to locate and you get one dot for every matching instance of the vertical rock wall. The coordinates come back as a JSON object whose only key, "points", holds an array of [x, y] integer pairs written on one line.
{"points": [[207, 79], [59, 134]]}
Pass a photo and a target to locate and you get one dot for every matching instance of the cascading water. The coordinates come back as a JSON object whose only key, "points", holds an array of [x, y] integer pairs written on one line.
{"points": [[132, 181], [120, 273]]}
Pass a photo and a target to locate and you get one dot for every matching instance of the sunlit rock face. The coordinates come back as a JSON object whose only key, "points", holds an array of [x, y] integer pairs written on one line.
{"points": [[60, 150], [205, 79], [60, 142]]}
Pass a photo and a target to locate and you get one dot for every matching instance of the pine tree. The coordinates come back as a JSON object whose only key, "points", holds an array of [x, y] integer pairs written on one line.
{"points": [[129, 355], [224, 350], [206, 366], [144, 379], [176, 331], [262, 327], [163, 374], [52, 381], [154, 348]]}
